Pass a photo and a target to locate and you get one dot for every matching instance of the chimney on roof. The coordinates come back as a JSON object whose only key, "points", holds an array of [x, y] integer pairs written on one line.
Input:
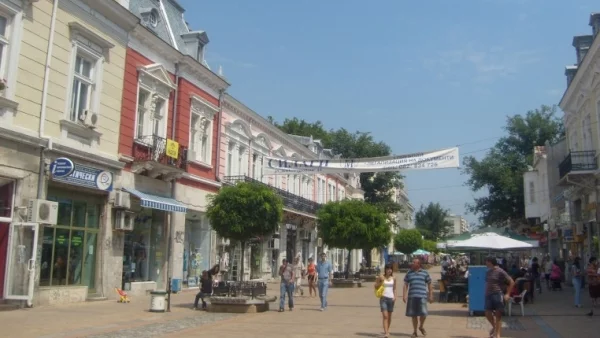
{"points": [[595, 23], [582, 44], [570, 72]]}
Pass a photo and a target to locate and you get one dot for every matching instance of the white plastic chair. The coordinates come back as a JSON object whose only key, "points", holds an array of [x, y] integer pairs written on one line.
{"points": [[519, 300]]}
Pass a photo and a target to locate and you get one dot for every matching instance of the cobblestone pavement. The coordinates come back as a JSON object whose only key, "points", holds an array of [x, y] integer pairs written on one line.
{"points": [[352, 312]]}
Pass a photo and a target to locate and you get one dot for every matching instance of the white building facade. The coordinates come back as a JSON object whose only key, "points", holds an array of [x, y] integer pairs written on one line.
{"points": [[578, 171]]}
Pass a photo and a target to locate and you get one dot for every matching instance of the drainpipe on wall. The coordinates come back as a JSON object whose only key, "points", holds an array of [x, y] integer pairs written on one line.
{"points": [[44, 103], [219, 132], [41, 134]]}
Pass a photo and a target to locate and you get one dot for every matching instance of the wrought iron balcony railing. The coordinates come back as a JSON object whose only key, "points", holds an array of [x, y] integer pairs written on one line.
{"points": [[578, 161], [153, 148], [290, 200]]}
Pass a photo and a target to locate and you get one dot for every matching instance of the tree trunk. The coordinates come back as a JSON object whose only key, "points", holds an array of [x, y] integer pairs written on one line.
{"points": [[242, 268], [348, 263]]}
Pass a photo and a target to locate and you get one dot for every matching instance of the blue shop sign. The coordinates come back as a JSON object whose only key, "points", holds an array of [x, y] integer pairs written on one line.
{"points": [[61, 167], [81, 175]]}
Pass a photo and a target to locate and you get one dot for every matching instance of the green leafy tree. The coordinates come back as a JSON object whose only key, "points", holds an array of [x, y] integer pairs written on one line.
{"points": [[408, 241], [431, 221], [245, 211], [353, 224], [500, 172], [430, 246]]}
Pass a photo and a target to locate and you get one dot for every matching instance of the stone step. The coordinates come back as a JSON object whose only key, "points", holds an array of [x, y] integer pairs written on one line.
{"points": [[95, 298]]}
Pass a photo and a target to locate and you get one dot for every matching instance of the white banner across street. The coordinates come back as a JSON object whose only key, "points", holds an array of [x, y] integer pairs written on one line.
{"points": [[439, 159]]}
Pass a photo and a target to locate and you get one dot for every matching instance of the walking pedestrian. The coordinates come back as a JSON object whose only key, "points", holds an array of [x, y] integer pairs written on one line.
{"points": [[495, 281], [298, 275], [577, 280], [536, 275], [387, 301], [324, 278], [417, 291], [311, 271], [547, 271], [594, 282], [286, 287]]}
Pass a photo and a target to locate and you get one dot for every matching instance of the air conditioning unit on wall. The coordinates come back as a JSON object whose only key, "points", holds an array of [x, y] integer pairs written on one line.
{"points": [[122, 200], [42, 211], [124, 220]]}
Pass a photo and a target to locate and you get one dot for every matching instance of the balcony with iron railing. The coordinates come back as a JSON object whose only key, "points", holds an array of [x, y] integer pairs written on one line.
{"points": [[290, 200], [150, 153], [578, 162]]}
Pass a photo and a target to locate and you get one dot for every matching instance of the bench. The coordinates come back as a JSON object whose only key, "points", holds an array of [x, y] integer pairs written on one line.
{"points": [[238, 305], [347, 283]]}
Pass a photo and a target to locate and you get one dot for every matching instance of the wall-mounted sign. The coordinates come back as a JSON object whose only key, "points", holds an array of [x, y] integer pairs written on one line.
{"points": [[172, 149], [61, 167], [567, 235], [81, 175]]}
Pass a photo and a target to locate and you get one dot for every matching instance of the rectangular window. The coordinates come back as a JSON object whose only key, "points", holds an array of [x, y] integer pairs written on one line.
{"points": [[68, 254], [230, 159], [158, 119], [83, 85], [241, 170], [200, 142], [141, 113], [4, 44], [144, 251], [531, 192]]}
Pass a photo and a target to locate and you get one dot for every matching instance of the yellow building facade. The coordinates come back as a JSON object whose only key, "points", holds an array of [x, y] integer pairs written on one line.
{"points": [[62, 64]]}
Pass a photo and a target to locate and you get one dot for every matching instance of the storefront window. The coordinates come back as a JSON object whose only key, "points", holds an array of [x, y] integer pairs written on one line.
{"points": [[196, 249], [68, 249], [144, 256]]}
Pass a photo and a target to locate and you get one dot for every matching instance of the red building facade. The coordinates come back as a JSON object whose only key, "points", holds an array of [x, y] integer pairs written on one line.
{"points": [[169, 143]]}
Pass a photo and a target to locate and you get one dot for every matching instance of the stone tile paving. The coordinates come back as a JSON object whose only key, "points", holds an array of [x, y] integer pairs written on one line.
{"points": [[481, 323], [161, 329]]}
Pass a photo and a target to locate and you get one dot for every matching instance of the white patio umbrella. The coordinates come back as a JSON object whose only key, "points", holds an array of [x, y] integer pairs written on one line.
{"points": [[489, 241]]}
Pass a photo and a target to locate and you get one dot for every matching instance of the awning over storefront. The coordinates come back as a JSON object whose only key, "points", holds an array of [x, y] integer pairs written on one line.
{"points": [[158, 202]]}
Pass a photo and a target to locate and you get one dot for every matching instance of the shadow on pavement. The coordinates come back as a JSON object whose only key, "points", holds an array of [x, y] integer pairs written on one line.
{"points": [[449, 313], [370, 334]]}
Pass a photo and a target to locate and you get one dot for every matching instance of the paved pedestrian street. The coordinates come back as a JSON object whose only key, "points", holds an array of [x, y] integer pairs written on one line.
{"points": [[351, 313]]}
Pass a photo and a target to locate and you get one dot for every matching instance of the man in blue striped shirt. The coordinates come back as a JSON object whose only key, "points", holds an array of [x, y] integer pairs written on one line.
{"points": [[417, 290]]}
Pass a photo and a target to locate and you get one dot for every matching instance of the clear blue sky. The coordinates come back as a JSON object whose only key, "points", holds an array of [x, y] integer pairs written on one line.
{"points": [[419, 75]]}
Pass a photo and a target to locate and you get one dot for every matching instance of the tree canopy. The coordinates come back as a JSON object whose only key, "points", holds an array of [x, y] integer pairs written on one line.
{"points": [[408, 241], [500, 172], [353, 224], [430, 246], [245, 211], [377, 187], [431, 221]]}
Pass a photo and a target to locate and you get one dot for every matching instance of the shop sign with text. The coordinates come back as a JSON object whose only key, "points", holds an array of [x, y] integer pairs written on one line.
{"points": [[64, 170]]}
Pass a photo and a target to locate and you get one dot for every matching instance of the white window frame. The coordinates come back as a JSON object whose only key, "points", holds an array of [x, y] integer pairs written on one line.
{"points": [[202, 147], [11, 54], [154, 80], [230, 159], [92, 100], [14, 193], [94, 48]]}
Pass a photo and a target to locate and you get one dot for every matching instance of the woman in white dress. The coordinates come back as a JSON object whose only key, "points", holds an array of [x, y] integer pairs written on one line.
{"points": [[386, 303]]}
